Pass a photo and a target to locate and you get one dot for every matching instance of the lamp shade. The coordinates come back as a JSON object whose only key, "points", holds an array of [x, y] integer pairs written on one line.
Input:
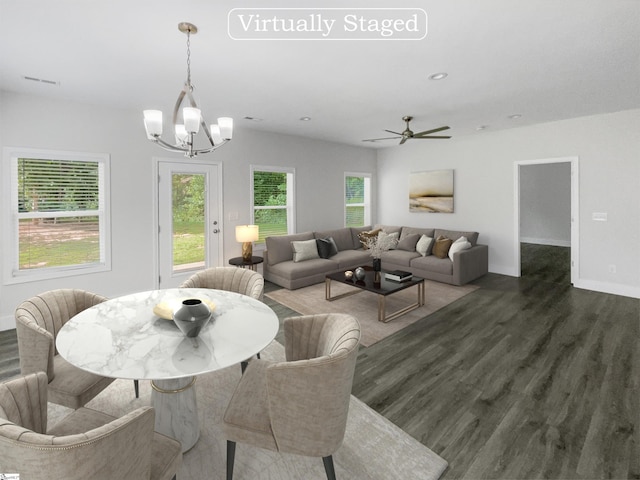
{"points": [[247, 233], [191, 119], [153, 122], [215, 134], [226, 127]]}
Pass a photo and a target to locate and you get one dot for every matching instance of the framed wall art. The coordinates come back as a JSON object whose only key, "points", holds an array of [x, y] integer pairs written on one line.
{"points": [[431, 191]]}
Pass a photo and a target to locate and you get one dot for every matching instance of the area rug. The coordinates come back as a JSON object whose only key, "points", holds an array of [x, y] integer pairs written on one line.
{"points": [[373, 448], [364, 305]]}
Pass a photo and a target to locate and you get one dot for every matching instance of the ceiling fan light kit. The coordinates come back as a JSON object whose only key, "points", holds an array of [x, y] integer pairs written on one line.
{"points": [[217, 134], [409, 134]]}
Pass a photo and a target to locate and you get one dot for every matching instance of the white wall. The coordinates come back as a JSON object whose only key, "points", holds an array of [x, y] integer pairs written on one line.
{"points": [[545, 204], [29, 121], [608, 147]]}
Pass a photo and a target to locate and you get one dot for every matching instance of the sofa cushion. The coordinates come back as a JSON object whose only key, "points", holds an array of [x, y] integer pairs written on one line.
{"points": [[409, 242], [347, 259], [460, 244], [304, 250], [291, 270], [326, 247], [429, 232], [431, 263], [424, 245], [441, 246], [279, 247], [398, 257], [472, 237], [342, 237]]}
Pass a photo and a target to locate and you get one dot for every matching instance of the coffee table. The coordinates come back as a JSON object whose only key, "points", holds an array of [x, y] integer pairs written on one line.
{"points": [[383, 288]]}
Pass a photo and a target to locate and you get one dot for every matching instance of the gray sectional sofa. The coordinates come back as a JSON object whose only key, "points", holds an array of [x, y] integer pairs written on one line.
{"points": [[280, 268]]}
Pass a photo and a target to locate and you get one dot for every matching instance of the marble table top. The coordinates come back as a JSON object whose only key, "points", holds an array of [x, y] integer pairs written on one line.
{"points": [[122, 338]]}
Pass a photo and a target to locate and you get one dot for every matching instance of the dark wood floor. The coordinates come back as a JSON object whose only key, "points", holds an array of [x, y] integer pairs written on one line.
{"points": [[524, 378]]}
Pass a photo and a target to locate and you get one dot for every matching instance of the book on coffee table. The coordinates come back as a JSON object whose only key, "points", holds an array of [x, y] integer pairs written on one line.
{"points": [[398, 275]]}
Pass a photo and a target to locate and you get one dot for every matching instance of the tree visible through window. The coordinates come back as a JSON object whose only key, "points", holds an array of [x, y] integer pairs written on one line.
{"points": [[357, 189], [273, 201], [59, 213]]}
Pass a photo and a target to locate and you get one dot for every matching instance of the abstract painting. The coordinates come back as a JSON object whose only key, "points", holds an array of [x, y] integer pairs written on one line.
{"points": [[431, 191]]}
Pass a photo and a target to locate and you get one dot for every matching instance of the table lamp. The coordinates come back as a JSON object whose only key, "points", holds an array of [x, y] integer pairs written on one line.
{"points": [[247, 234]]}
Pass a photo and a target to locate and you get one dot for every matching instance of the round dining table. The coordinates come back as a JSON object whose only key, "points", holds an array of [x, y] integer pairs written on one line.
{"points": [[124, 337]]}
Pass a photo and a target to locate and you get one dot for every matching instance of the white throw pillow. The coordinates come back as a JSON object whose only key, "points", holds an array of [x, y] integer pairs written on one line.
{"points": [[304, 250], [423, 245], [460, 244]]}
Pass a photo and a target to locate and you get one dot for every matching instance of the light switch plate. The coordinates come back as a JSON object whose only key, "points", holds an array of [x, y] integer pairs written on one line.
{"points": [[599, 216]]}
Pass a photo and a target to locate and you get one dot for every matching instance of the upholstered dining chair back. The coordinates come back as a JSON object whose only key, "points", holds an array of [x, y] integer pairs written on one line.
{"points": [[38, 321], [231, 279], [299, 405], [85, 444]]}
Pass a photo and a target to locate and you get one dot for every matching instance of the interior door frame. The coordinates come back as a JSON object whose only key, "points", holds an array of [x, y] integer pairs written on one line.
{"points": [[156, 210], [575, 212]]}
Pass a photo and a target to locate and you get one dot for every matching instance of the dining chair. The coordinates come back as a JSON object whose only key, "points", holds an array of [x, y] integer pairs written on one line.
{"points": [[299, 405], [38, 321], [232, 279], [85, 444]]}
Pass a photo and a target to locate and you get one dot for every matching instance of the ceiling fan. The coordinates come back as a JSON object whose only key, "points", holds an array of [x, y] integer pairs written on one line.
{"points": [[407, 134]]}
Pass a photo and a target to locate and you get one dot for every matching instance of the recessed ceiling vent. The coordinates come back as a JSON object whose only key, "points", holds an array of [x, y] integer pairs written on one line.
{"points": [[41, 80]]}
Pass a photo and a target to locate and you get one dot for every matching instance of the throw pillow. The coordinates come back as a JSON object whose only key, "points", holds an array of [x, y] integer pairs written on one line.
{"points": [[326, 247], [441, 247], [304, 250], [364, 236], [423, 247], [460, 244], [388, 241], [409, 242]]}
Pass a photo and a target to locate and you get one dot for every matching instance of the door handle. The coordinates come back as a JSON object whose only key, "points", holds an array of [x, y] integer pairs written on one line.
{"points": [[215, 230]]}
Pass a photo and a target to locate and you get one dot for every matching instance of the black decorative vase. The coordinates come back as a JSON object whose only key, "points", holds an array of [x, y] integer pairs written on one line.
{"points": [[191, 316], [377, 264]]}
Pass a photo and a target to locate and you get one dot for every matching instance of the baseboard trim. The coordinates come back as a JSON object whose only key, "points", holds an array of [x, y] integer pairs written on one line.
{"points": [[605, 287], [7, 322], [546, 241]]}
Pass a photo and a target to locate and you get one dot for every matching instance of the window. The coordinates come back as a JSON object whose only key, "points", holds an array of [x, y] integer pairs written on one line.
{"points": [[58, 214], [357, 197], [273, 205]]}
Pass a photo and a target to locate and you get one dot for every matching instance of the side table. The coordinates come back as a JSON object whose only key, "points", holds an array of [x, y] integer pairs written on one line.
{"points": [[240, 262]]}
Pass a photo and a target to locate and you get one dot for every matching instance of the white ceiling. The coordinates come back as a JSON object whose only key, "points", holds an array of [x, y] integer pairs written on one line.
{"points": [[546, 60]]}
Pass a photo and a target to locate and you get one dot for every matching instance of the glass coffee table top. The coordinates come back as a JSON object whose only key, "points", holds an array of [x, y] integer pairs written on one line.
{"points": [[376, 283]]}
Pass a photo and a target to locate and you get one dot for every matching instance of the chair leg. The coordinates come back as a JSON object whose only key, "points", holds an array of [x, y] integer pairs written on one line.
{"points": [[231, 455], [328, 467], [244, 365], [136, 387], [258, 355]]}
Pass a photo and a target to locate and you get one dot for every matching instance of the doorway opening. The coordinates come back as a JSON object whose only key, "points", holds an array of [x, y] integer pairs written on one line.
{"points": [[546, 227]]}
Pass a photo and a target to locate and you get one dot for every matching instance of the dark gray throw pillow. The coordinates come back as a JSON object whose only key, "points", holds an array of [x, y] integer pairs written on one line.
{"points": [[326, 247]]}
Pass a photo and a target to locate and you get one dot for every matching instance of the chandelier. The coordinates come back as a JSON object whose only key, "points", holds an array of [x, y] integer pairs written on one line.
{"points": [[217, 135]]}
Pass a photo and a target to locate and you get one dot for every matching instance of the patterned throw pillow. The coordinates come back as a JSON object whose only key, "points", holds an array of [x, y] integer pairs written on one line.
{"points": [[364, 236]]}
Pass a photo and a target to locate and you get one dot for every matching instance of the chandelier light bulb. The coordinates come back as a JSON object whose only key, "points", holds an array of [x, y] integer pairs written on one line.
{"points": [[191, 119], [181, 134], [152, 123], [226, 127], [215, 134]]}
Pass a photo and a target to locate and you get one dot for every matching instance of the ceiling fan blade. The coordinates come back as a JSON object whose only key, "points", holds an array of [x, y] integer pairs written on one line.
{"points": [[404, 139], [376, 139], [433, 136], [427, 132], [391, 131]]}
